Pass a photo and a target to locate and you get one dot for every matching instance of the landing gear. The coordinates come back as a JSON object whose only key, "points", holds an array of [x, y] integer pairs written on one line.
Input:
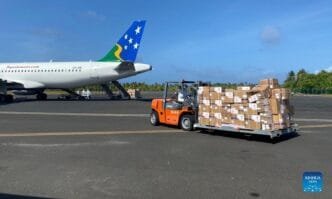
{"points": [[73, 94], [41, 96]]}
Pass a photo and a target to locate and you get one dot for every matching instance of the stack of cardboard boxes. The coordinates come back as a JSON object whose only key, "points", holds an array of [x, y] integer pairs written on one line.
{"points": [[265, 106]]}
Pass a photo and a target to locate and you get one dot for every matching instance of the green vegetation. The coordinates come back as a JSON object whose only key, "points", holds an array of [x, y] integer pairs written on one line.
{"points": [[309, 83], [300, 82]]}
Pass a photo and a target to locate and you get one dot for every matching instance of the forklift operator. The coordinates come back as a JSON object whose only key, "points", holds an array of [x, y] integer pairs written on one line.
{"points": [[182, 94]]}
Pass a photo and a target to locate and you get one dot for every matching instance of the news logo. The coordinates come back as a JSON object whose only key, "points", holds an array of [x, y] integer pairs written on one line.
{"points": [[312, 181]]}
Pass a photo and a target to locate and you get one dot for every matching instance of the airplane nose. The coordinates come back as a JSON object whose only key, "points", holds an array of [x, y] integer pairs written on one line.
{"points": [[142, 67]]}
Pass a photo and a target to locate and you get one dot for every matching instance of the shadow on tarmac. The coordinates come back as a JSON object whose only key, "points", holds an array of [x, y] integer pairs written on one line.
{"points": [[251, 137], [14, 196], [248, 137]]}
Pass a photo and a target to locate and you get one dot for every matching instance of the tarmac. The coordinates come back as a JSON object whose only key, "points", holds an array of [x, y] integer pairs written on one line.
{"points": [[108, 149]]}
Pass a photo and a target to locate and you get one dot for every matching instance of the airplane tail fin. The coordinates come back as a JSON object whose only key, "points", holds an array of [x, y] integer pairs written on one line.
{"points": [[125, 50]]}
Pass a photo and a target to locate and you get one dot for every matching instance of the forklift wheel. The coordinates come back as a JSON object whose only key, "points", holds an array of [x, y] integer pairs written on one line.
{"points": [[154, 119], [187, 122]]}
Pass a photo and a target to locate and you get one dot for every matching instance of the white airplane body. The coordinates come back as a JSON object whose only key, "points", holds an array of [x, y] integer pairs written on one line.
{"points": [[65, 75], [33, 78]]}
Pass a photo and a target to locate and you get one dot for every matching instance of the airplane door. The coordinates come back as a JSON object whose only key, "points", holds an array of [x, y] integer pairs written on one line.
{"points": [[94, 72]]}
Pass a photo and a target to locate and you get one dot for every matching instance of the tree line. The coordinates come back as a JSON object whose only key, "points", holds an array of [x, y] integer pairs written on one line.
{"points": [[310, 83], [300, 82]]}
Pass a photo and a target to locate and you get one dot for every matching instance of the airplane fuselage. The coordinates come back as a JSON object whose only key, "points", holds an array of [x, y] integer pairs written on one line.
{"points": [[65, 75]]}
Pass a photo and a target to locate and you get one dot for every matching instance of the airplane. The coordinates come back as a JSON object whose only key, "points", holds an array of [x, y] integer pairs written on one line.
{"points": [[34, 78]]}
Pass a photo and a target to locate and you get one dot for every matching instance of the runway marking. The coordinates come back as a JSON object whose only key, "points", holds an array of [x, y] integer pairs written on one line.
{"points": [[74, 114], [78, 144], [89, 133], [315, 126], [312, 120]]}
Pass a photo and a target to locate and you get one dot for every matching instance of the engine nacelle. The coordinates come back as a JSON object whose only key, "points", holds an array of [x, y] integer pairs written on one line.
{"points": [[25, 92]]}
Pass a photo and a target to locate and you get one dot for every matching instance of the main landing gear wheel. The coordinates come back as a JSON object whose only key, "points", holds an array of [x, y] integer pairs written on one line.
{"points": [[41, 96], [187, 122], [154, 119]]}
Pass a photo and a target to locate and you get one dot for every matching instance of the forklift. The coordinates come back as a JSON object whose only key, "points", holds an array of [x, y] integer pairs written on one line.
{"points": [[178, 107]]}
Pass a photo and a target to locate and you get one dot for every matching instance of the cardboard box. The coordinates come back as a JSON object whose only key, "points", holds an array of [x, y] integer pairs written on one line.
{"points": [[203, 90], [281, 93], [241, 94], [206, 102], [227, 100], [218, 122], [227, 119], [278, 119], [256, 118], [244, 88], [234, 110], [250, 124], [263, 90], [217, 89], [214, 96], [255, 97], [267, 127], [237, 100], [272, 83], [239, 123], [229, 93], [275, 106], [240, 117], [214, 109], [204, 108], [218, 102], [252, 112], [203, 121], [218, 116]]}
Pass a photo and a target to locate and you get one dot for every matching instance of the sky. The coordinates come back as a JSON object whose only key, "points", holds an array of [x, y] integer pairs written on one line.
{"points": [[214, 40]]}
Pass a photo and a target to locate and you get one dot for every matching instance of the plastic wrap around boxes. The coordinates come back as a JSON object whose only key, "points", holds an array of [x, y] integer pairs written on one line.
{"points": [[265, 106]]}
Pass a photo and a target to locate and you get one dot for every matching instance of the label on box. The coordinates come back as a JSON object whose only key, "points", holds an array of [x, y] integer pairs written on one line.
{"points": [[218, 115], [254, 98], [229, 94], [240, 117], [253, 106], [206, 114], [217, 89], [243, 88], [218, 102], [206, 102], [256, 118], [234, 110], [237, 99]]}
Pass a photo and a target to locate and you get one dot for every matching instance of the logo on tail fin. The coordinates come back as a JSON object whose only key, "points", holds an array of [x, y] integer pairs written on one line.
{"points": [[127, 47]]}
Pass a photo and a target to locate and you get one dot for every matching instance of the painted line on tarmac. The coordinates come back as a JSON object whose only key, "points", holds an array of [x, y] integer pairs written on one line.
{"points": [[89, 133], [315, 126], [312, 120], [74, 114]]}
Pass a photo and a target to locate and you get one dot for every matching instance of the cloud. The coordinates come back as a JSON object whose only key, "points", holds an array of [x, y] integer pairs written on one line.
{"points": [[270, 35], [94, 15]]}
